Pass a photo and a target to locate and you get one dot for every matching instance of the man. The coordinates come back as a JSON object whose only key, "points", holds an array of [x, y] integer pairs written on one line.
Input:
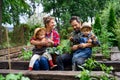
{"points": [[66, 59]]}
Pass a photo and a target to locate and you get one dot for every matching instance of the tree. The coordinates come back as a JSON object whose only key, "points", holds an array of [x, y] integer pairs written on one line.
{"points": [[102, 3], [11, 10], [0, 22], [97, 26], [82, 8], [111, 26], [56, 7], [117, 32]]}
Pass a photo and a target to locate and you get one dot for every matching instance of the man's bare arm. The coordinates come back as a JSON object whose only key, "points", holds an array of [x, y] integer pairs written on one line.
{"points": [[84, 45]]}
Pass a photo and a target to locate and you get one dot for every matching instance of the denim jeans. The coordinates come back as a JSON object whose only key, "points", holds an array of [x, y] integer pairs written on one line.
{"points": [[65, 60], [41, 64]]}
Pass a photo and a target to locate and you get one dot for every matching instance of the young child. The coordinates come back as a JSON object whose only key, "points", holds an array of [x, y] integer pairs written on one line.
{"points": [[86, 37], [39, 35]]}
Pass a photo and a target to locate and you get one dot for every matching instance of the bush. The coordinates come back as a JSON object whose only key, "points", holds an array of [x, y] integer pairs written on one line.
{"points": [[117, 32], [11, 76]]}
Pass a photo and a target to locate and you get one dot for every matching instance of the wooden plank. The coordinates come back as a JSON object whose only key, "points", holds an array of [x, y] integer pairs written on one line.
{"points": [[18, 65], [23, 65], [50, 75], [13, 50], [99, 56]]}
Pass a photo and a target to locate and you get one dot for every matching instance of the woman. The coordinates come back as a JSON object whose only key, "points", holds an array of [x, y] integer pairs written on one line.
{"points": [[51, 34]]}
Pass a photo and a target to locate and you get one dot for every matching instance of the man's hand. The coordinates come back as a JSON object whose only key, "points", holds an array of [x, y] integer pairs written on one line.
{"points": [[89, 41], [74, 47], [83, 45], [71, 38]]}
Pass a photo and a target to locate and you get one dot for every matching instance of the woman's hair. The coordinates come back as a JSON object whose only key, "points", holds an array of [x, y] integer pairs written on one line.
{"points": [[75, 18], [47, 19]]}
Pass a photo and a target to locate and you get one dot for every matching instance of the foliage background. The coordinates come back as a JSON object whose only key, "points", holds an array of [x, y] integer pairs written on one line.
{"points": [[104, 13]]}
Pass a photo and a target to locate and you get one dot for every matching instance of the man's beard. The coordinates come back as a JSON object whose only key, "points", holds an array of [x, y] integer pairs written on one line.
{"points": [[77, 30]]}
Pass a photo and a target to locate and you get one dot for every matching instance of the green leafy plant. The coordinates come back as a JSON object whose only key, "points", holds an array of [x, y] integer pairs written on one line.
{"points": [[91, 64], [105, 68], [111, 25], [2, 77], [84, 75], [105, 50], [103, 36], [11, 76], [106, 77], [64, 47], [117, 32], [26, 54], [104, 43]]}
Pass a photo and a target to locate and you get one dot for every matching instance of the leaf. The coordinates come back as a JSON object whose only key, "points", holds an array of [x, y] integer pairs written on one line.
{"points": [[25, 78], [11, 77], [2, 77]]}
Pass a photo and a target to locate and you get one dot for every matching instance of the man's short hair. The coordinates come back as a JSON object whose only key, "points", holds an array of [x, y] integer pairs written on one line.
{"points": [[75, 18]]}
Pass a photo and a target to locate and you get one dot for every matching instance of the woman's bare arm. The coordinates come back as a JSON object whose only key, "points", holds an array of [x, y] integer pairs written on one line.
{"points": [[35, 42]]}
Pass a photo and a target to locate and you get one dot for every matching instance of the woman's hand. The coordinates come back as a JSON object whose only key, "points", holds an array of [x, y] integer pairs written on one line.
{"points": [[37, 42], [49, 42]]}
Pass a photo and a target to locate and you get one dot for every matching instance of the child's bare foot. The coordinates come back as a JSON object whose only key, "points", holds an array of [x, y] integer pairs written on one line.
{"points": [[53, 66]]}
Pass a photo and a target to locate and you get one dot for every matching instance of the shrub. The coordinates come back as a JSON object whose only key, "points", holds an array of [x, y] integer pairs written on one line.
{"points": [[11, 76]]}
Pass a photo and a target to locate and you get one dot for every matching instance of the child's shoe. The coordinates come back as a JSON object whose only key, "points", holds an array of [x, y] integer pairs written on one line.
{"points": [[30, 68]]}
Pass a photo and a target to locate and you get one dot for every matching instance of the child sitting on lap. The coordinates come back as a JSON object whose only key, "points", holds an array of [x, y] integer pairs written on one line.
{"points": [[38, 51], [86, 37]]}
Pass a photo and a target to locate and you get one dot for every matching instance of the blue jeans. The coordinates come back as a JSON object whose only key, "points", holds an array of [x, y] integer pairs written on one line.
{"points": [[77, 58], [41, 64], [65, 60], [80, 55]]}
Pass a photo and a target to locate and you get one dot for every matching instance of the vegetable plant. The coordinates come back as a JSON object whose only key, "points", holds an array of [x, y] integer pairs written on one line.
{"points": [[89, 65], [11, 76], [26, 54], [64, 47]]}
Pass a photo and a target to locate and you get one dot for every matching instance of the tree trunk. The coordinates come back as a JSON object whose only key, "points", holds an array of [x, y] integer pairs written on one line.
{"points": [[0, 22]]}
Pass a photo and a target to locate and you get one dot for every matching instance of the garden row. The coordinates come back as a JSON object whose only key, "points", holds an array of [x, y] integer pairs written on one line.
{"points": [[22, 66], [14, 52]]}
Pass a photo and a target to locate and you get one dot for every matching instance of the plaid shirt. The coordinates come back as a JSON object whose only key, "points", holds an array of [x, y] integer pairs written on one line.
{"points": [[54, 35], [77, 35]]}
